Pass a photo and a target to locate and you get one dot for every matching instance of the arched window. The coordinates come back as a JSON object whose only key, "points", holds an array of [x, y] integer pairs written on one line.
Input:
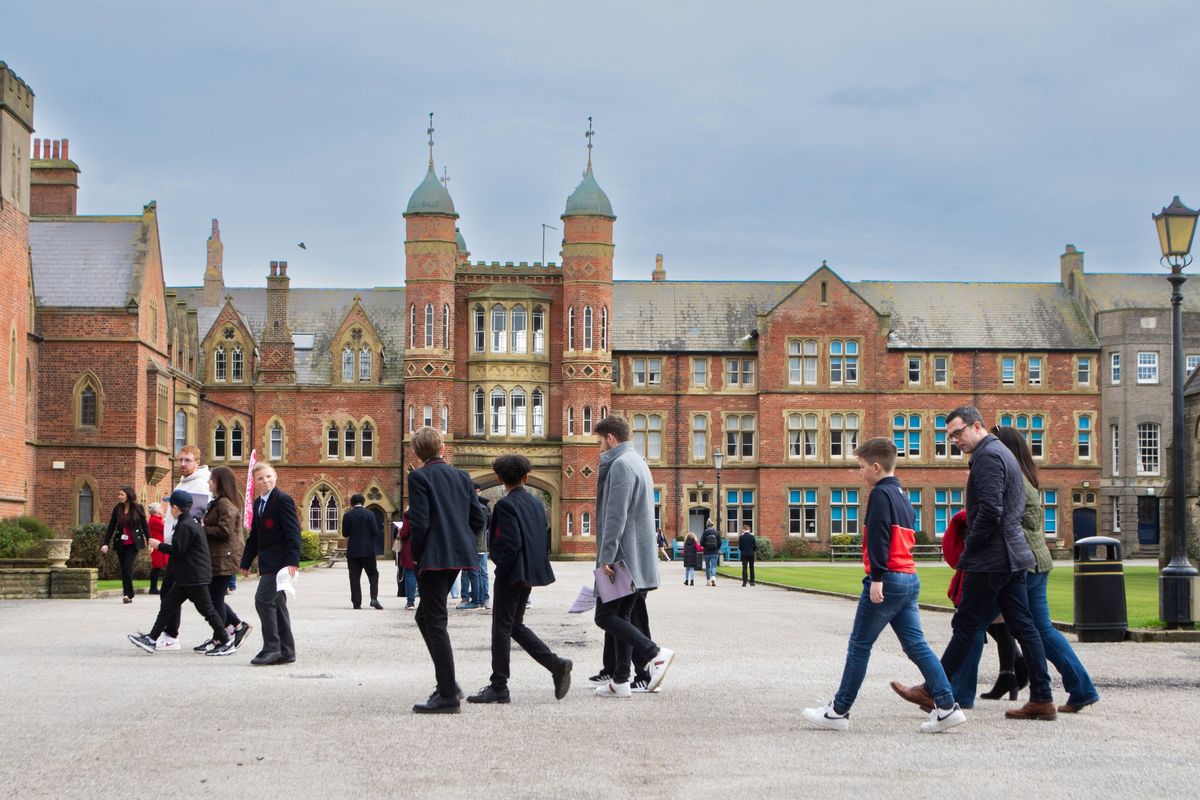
{"points": [[180, 430], [332, 515], [499, 412], [218, 450], [499, 329], [519, 325], [236, 442], [412, 325], [88, 407], [445, 419], [333, 438], [478, 331], [604, 327], [219, 373], [571, 328], [445, 326], [539, 330], [86, 500], [276, 442], [570, 524], [518, 409], [239, 366], [585, 524], [367, 436], [314, 514], [570, 420], [587, 327], [587, 420], [477, 417], [347, 364], [412, 418], [427, 417], [364, 364], [539, 414], [429, 325], [349, 440]]}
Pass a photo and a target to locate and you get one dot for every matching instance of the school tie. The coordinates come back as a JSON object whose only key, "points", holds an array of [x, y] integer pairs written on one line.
{"points": [[262, 506]]}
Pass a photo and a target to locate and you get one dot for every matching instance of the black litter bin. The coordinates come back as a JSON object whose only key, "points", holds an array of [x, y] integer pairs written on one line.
{"points": [[1099, 590]]}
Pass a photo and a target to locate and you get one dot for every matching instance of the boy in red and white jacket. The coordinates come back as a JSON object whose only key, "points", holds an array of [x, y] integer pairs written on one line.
{"points": [[889, 597]]}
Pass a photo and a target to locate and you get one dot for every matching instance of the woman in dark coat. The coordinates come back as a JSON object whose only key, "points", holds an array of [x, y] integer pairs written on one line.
{"points": [[127, 528], [691, 559], [223, 529]]}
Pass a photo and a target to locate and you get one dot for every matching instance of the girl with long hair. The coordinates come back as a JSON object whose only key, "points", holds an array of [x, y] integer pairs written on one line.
{"points": [[223, 528], [127, 526]]}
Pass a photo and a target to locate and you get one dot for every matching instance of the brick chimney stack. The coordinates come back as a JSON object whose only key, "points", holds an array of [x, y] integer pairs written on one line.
{"points": [[659, 275], [1070, 265], [54, 179], [277, 362], [214, 276]]}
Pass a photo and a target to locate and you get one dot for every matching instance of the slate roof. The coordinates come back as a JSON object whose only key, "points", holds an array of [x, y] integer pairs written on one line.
{"points": [[319, 312], [87, 262], [986, 316], [690, 315], [1112, 291]]}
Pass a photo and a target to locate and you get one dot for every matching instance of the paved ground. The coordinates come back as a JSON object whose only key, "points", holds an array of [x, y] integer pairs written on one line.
{"points": [[84, 713]]}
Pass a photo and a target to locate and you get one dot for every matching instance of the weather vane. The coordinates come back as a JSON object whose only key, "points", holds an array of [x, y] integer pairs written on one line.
{"points": [[430, 132], [445, 176], [589, 134]]}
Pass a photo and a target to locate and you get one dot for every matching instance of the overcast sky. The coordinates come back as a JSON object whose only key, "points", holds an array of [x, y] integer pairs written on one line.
{"points": [[901, 141]]}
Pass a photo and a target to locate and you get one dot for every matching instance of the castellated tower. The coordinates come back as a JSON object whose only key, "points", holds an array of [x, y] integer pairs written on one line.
{"points": [[587, 258], [430, 258]]}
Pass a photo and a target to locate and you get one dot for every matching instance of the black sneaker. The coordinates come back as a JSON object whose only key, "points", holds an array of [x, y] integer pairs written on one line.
{"points": [[240, 633], [600, 679], [203, 646], [143, 641], [436, 704], [489, 694], [227, 649], [562, 678], [640, 686]]}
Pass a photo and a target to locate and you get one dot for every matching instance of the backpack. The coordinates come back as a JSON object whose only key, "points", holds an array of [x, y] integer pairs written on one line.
{"points": [[711, 540]]}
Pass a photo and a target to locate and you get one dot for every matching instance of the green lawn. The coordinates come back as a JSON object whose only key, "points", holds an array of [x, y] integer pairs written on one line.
{"points": [[1141, 587]]}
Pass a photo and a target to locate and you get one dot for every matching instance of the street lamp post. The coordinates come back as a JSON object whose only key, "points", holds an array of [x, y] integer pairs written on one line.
{"points": [[1178, 580], [718, 460]]}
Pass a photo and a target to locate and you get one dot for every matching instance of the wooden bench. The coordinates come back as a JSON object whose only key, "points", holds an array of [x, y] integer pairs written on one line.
{"points": [[336, 552], [728, 552]]}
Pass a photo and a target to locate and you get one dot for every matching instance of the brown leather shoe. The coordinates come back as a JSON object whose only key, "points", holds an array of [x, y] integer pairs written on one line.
{"points": [[917, 695], [1033, 710], [1067, 708]]}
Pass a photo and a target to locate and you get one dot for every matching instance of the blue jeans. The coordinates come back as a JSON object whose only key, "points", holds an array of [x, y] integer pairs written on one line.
{"points": [[481, 593], [689, 574], [710, 566], [1076, 681], [898, 609], [410, 586], [965, 682]]}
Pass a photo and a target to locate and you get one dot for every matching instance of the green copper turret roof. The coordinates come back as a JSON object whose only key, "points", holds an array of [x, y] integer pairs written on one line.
{"points": [[588, 199], [431, 197], [460, 241]]}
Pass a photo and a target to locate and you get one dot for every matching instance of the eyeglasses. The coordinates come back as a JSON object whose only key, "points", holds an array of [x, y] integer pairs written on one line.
{"points": [[956, 434]]}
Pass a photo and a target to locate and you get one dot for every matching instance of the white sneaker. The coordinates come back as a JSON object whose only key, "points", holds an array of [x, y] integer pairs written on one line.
{"points": [[167, 643], [826, 717], [943, 719], [611, 689], [658, 667]]}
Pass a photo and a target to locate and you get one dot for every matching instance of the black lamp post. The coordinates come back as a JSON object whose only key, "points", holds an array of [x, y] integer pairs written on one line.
{"points": [[1178, 580], [718, 460]]}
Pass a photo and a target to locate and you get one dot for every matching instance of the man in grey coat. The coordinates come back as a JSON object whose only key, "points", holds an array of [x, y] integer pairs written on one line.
{"points": [[625, 532]]}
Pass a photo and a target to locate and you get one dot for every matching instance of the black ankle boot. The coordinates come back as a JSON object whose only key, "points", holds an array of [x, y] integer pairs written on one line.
{"points": [[1021, 670], [1006, 682]]}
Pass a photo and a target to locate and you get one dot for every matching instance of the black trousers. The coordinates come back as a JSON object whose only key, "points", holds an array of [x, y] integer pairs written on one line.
{"points": [[173, 602], [641, 620], [508, 625], [155, 574], [431, 621], [630, 642], [982, 593], [217, 590], [168, 581], [357, 565], [747, 563], [126, 555]]}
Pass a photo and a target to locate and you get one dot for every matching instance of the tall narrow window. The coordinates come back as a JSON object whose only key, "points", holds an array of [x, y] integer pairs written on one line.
{"points": [[570, 524], [941, 447], [88, 407], [239, 366], [914, 500], [315, 513], [364, 364], [1083, 371], [1035, 371], [802, 512], [412, 325], [219, 366], [349, 441], [1148, 448], [571, 328], [477, 416], [739, 437], [236, 442], [946, 503], [843, 361], [906, 435], [412, 418], [585, 524], [499, 329], [587, 420], [180, 430], [604, 327], [1083, 438], [499, 412], [86, 502], [367, 438], [1116, 450], [941, 370], [914, 369], [276, 442], [739, 509], [1147, 368], [519, 329], [1050, 513], [429, 325], [332, 516], [333, 439], [539, 330], [802, 436], [427, 417], [445, 326], [1008, 371], [843, 435], [479, 333], [700, 438], [162, 418], [539, 414], [700, 372], [570, 420], [218, 451], [347, 364], [587, 327], [516, 404], [445, 419], [647, 436], [1114, 375]]}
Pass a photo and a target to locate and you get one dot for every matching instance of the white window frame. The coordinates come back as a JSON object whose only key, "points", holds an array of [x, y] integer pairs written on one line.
{"points": [[1147, 367]]}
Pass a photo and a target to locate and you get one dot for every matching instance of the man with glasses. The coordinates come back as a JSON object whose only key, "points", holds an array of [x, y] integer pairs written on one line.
{"points": [[994, 559]]}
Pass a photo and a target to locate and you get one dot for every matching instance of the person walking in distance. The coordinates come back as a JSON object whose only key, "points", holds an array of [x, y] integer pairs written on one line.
{"points": [[158, 559], [275, 541], [746, 548], [444, 516], [661, 540], [521, 551], [127, 531], [710, 540], [625, 532], [995, 558], [692, 559], [358, 526]]}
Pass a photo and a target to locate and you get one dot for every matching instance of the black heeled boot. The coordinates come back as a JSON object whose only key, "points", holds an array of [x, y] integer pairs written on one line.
{"points": [[1006, 682]]}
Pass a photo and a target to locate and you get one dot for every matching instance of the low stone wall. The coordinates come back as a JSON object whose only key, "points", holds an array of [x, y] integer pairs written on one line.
{"points": [[47, 583]]}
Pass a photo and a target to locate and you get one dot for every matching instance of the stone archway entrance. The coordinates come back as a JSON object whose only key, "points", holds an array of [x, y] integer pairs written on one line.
{"points": [[493, 490]]}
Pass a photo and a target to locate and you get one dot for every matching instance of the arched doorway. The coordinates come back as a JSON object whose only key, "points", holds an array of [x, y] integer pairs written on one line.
{"points": [[491, 489]]}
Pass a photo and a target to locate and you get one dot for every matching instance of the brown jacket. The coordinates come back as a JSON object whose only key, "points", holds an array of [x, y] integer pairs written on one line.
{"points": [[223, 527]]}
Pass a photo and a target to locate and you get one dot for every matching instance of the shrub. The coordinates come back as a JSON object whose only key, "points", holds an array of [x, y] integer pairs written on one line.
{"points": [[85, 552], [763, 549], [795, 548], [844, 538], [922, 538], [310, 546], [24, 537]]}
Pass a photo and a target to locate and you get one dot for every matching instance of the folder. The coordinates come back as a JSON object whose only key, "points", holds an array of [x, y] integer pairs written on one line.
{"points": [[620, 585]]}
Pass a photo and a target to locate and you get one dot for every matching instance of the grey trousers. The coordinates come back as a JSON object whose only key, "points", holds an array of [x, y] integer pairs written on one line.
{"points": [[275, 624]]}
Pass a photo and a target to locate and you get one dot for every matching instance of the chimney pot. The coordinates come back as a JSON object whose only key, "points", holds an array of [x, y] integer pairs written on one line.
{"points": [[659, 273], [65, 144], [274, 268], [54, 144], [215, 231], [283, 269], [37, 148]]}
